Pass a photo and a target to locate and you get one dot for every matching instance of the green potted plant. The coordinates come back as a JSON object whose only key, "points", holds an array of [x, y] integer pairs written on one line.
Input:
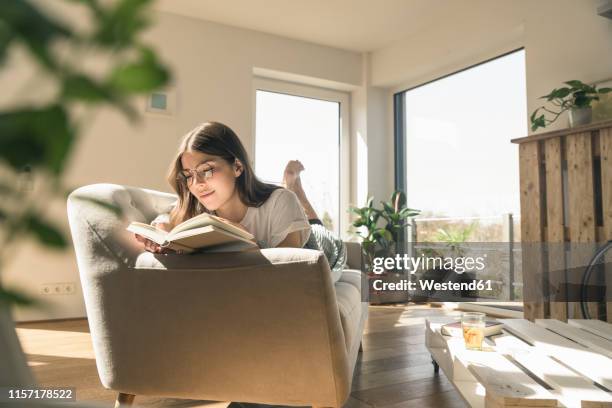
{"points": [[37, 139], [576, 98], [381, 229]]}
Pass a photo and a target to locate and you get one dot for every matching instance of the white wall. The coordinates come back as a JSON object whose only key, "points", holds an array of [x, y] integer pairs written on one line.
{"points": [[563, 40], [369, 107], [213, 67]]}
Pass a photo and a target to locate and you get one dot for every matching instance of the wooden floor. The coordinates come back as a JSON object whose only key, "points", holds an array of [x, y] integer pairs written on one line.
{"points": [[394, 370]]}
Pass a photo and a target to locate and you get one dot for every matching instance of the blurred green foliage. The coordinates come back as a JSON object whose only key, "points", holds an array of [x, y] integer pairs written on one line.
{"points": [[36, 140]]}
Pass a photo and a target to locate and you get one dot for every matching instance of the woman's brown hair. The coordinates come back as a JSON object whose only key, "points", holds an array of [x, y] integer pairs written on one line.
{"points": [[216, 139]]}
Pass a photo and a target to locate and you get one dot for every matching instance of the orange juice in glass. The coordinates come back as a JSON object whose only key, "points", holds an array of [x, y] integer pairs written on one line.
{"points": [[473, 324]]}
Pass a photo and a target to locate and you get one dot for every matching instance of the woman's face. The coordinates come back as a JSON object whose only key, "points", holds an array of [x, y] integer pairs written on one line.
{"points": [[216, 190]]}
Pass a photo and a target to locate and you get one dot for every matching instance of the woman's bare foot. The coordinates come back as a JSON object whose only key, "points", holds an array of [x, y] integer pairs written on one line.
{"points": [[291, 176], [293, 182]]}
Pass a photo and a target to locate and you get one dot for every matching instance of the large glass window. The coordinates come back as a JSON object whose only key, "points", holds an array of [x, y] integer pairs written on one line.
{"points": [[456, 162], [292, 127], [459, 159]]}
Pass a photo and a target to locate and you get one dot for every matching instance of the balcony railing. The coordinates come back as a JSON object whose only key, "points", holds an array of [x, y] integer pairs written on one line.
{"points": [[494, 237]]}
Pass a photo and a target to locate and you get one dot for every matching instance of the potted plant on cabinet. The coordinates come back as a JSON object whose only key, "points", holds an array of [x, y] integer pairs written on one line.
{"points": [[576, 98]]}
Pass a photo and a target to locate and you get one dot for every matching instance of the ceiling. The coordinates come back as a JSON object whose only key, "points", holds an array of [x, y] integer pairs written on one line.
{"points": [[356, 25]]}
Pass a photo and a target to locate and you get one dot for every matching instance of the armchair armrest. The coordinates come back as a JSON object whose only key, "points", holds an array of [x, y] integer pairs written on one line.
{"points": [[173, 322]]}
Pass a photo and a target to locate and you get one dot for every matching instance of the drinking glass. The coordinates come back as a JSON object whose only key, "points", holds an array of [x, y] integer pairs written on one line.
{"points": [[473, 324]]}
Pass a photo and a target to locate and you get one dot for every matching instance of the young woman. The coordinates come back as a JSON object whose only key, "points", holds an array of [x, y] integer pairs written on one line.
{"points": [[212, 173]]}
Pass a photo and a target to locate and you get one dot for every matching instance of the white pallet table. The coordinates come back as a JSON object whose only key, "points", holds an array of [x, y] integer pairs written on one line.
{"points": [[573, 389], [484, 379], [469, 388], [581, 359], [505, 383], [597, 327], [521, 370], [587, 339]]}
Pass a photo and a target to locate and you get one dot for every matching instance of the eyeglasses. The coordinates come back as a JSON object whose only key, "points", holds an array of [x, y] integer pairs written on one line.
{"points": [[202, 173]]}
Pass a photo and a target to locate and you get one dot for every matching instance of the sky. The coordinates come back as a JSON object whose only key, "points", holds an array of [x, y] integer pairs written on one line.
{"points": [[460, 161]]}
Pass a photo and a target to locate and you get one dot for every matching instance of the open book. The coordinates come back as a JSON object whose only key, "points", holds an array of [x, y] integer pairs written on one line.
{"points": [[201, 231]]}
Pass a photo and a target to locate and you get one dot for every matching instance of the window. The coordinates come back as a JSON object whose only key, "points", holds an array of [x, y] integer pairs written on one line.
{"points": [[454, 158], [459, 161], [294, 122]]}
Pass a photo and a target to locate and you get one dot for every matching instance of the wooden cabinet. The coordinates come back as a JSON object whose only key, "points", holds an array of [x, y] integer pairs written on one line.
{"points": [[566, 213]]}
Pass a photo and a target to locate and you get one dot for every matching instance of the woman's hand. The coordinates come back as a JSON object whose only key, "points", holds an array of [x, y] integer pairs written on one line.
{"points": [[153, 246]]}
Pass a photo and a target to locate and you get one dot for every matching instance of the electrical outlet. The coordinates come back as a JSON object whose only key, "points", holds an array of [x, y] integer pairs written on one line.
{"points": [[57, 288]]}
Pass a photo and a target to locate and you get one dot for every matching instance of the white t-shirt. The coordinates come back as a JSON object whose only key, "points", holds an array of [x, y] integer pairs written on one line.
{"points": [[271, 222]]}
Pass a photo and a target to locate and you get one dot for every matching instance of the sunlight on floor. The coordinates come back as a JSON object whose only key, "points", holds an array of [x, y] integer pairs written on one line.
{"points": [[32, 363], [394, 367], [36, 341]]}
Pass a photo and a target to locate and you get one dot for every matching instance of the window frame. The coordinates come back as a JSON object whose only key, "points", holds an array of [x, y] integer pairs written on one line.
{"points": [[325, 94]]}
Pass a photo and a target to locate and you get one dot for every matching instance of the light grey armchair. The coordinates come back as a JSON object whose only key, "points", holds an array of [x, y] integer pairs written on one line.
{"points": [[265, 326]]}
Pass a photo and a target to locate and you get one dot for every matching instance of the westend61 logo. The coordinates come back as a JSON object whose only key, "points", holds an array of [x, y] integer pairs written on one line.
{"points": [[458, 264]]}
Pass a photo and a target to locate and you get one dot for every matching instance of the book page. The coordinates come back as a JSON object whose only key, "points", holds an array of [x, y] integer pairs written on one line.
{"points": [[208, 236], [200, 220], [203, 220]]}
